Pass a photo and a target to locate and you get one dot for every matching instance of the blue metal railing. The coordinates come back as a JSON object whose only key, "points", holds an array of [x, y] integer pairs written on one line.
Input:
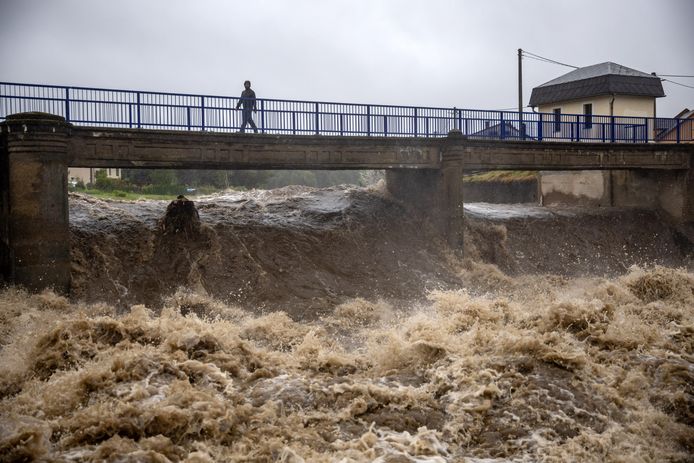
{"points": [[156, 110]]}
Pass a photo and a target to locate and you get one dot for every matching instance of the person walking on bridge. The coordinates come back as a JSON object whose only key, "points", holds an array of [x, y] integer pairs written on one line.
{"points": [[248, 101]]}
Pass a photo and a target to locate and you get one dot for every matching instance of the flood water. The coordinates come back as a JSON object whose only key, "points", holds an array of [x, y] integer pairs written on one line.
{"points": [[333, 325]]}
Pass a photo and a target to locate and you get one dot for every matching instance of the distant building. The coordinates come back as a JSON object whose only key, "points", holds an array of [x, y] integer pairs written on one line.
{"points": [[601, 89], [605, 89], [670, 130], [87, 175], [495, 132]]}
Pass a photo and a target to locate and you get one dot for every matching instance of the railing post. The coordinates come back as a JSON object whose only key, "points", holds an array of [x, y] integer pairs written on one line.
{"points": [[202, 112], [578, 128], [645, 129], [317, 120], [67, 104], [368, 120], [539, 127], [385, 126], [262, 116], [502, 126], [342, 123], [678, 130], [612, 130], [293, 122], [188, 115], [139, 120], [415, 122], [426, 126], [130, 115]]}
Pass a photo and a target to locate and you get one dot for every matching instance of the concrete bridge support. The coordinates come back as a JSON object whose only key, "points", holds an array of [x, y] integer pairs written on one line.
{"points": [[436, 193], [34, 234], [671, 191]]}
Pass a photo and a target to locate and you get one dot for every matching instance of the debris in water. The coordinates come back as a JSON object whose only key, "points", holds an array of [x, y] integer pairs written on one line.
{"points": [[181, 216]]}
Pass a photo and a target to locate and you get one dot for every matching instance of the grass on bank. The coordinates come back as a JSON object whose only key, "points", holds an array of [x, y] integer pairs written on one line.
{"points": [[505, 176], [123, 195]]}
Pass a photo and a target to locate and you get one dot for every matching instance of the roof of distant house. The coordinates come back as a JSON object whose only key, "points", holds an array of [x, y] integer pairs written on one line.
{"points": [[685, 114], [598, 79], [667, 128], [494, 131]]}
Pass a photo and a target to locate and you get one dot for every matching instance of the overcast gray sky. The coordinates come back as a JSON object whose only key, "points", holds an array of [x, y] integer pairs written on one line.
{"points": [[425, 52]]}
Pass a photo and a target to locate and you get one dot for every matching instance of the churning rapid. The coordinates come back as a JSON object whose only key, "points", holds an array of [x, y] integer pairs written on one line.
{"points": [[332, 325]]}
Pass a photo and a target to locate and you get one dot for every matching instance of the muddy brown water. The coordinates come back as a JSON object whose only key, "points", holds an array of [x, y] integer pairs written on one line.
{"points": [[333, 325]]}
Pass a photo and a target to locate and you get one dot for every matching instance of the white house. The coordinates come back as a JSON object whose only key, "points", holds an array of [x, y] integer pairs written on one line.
{"points": [[607, 89]]}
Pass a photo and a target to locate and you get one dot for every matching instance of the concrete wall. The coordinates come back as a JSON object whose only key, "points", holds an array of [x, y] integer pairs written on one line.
{"points": [[585, 188], [501, 192], [672, 192], [436, 194]]}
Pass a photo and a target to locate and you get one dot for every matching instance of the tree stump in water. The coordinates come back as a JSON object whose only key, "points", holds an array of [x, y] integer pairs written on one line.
{"points": [[181, 216]]}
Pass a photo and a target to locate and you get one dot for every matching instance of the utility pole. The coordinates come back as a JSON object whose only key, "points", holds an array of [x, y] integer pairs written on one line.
{"points": [[521, 125], [520, 81]]}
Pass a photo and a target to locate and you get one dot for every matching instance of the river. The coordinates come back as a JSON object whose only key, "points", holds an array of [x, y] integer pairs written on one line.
{"points": [[334, 325]]}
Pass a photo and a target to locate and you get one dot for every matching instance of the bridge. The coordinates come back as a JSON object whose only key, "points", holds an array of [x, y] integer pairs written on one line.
{"points": [[423, 167]]}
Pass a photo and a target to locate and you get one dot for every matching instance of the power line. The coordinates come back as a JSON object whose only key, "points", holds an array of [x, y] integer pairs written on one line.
{"points": [[677, 83], [527, 54]]}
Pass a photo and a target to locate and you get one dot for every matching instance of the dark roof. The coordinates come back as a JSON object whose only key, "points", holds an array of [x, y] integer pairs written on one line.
{"points": [[686, 113], [494, 131], [599, 79]]}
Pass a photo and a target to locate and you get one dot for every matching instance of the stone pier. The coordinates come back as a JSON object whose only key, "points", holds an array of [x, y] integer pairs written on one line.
{"points": [[34, 235], [436, 194]]}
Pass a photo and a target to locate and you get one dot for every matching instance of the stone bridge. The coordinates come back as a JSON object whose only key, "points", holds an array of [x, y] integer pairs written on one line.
{"points": [[426, 173]]}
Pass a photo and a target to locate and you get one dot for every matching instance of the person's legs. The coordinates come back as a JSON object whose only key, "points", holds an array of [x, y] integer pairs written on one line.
{"points": [[250, 121], [246, 116]]}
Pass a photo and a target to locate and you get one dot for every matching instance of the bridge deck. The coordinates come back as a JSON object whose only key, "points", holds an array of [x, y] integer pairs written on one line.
{"points": [[136, 148]]}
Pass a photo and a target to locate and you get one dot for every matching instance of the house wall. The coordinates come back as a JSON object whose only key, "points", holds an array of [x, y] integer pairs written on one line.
{"points": [[599, 131], [82, 174], [88, 174], [686, 133], [624, 105], [601, 106], [627, 105]]}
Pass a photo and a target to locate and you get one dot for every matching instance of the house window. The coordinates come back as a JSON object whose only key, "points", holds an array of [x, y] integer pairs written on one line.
{"points": [[557, 119], [588, 115]]}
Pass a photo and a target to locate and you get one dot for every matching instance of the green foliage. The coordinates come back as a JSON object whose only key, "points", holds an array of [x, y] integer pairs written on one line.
{"points": [[103, 182], [164, 177]]}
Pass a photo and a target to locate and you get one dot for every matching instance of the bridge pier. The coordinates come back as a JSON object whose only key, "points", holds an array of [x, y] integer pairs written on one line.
{"points": [[34, 233], [436, 193], [671, 191]]}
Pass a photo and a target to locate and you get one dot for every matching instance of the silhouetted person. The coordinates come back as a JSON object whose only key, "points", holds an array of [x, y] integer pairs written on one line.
{"points": [[248, 102]]}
